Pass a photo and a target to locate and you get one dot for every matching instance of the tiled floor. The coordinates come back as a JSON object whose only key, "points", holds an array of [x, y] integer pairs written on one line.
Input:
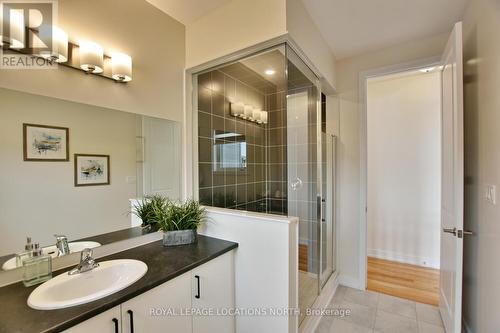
{"points": [[372, 312], [308, 291]]}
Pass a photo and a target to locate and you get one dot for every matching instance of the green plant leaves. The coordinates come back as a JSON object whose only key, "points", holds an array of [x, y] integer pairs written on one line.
{"points": [[168, 215]]}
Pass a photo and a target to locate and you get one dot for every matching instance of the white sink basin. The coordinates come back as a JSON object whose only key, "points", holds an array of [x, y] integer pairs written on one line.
{"points": [[52, 250], [65, 290]]}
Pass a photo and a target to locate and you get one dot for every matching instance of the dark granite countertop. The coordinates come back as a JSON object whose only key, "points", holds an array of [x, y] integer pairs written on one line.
{"points": [[164, 264]]}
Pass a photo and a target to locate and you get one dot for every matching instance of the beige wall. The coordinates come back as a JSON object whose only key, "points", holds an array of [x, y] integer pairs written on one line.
{"points": [[404, 168], [348, 71], [481, 294], [39, 199], [240, 24], [234, 26], [154, 40], [304, 32]]}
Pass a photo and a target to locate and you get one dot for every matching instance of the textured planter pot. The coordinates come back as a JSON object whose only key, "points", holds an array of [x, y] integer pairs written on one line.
{"points": [[181, 237]]}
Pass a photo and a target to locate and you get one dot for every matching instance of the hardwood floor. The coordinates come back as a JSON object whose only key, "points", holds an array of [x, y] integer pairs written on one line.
{"points": [[420, 284], [303, 264]]}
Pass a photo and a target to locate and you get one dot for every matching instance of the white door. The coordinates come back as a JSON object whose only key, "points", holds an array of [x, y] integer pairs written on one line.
{"points": [[213, 291], [106, 322], [161, 167], [161, 309], [452, 162]]}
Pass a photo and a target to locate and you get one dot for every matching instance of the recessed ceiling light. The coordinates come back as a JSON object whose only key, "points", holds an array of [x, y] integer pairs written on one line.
{"points": [[270, 72]]}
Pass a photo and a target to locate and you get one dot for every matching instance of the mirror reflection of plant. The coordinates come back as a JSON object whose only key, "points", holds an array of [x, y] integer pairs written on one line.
{"points": [[151, 210]]}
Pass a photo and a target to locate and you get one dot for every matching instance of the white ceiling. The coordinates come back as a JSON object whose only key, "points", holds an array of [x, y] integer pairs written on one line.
{"points": [[353, 27], [187, 11]]}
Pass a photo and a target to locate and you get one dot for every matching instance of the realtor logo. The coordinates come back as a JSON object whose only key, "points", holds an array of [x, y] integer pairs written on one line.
{"points": [[26, 30]]}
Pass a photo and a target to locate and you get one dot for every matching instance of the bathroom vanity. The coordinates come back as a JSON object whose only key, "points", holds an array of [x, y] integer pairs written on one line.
{"points": [[182, 285]]}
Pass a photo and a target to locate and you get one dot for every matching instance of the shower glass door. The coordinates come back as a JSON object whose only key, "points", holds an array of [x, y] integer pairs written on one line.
{"points": [[304, 172], [328, 232]]}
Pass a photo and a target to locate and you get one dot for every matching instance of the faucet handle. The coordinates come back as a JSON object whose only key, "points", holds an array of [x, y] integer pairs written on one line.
{"points": [[87, 263], [86, 254]]}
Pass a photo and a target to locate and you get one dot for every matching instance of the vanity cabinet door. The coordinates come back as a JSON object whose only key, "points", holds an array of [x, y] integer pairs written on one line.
{"points": [[213, 294], [106, 322], [159, 310]]}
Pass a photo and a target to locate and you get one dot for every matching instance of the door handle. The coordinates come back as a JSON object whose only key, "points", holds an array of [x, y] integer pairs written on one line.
{"points": [[461, 233], [198, 286], [131, 314], [458, 233], [450, 231], [115, 321]]}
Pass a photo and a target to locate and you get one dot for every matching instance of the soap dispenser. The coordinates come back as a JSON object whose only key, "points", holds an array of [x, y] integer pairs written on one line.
{"points": [[38, 268], [27, 253]]}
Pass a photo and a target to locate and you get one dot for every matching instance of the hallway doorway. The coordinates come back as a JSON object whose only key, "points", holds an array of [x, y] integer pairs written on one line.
{"points": [[404, 184]]}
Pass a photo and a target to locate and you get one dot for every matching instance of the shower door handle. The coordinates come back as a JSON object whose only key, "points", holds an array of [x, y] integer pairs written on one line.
{"points": [[296, 184]]}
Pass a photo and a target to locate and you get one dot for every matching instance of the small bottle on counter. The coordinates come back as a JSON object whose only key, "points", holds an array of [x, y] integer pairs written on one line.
{"points": [[38, 268], [27, 253]]}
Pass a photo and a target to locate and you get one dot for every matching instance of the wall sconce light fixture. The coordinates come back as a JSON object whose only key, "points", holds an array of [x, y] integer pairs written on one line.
{"points": [[237, 109], [60, 42], [121, 67], [91, 57], [256, 115], [263, 117], [17, 31], [247, 112]]}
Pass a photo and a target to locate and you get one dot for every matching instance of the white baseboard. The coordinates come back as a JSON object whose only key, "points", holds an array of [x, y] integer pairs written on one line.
{"points": [[404, 258], [352, 282]]}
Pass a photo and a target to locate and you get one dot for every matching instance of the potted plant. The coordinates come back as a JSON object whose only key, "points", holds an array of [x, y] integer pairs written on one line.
{"points": [[180, 222]]}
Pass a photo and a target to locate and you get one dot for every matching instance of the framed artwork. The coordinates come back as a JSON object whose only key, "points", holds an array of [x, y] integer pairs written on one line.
{"points": [[43, 143], [91, 170]]}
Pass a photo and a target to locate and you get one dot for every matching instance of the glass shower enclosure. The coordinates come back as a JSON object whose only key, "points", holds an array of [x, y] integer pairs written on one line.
{"points": [[261, 148]]}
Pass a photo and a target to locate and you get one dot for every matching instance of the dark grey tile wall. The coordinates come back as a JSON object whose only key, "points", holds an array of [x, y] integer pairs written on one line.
{"points": [[237, 188], [277, 153]]}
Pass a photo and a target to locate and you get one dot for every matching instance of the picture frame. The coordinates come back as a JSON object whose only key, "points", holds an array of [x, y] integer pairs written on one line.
{"points": [[92, 170], [44, 143]]}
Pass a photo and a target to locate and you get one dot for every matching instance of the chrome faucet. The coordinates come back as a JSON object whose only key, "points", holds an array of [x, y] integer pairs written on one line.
{"points": [[62, 245], [87, 263]]}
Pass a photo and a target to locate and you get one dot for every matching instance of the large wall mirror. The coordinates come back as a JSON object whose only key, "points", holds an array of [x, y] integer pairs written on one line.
{"points": [[76, 170]]}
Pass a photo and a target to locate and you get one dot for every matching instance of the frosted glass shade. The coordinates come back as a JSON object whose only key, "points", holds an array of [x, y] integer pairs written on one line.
{"points": [[1, 29], [237, 109], [256, 115], [263, 117], [121, 67], [248, 112], [60, 41], [17, 31], [91, 57]]}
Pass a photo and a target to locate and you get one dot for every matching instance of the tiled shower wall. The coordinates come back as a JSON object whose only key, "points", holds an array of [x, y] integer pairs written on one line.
{"points": [[277, 180], [237, 188]]}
